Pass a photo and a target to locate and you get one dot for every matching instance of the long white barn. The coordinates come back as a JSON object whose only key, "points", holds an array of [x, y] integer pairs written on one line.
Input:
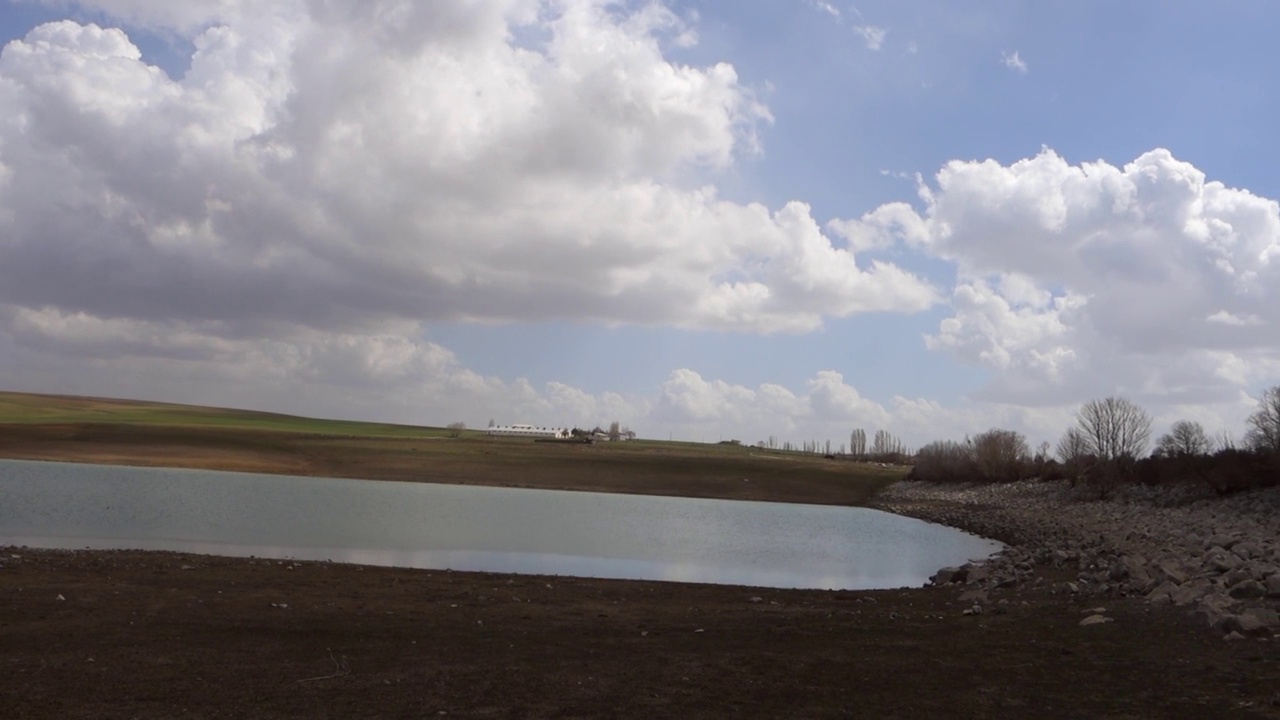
{"points": [[529, 431]]}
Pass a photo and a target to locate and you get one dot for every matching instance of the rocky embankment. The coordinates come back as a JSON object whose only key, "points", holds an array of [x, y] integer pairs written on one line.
{"points": [[1217, 557]]}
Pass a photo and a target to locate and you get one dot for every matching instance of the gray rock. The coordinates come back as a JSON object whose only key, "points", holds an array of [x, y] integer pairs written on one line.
{"points": [[1246, 551], [1173, 571], [1162, 594], [1095, 620], [1216, 616], [1223, 541], [1237, 576], [1248, 589], [1258, 622], [1273, 586], [949, 575], [1190, 593], [1219, 560]]}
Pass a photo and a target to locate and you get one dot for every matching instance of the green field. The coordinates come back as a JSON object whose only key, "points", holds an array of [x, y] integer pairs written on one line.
{"points": [[25, 408], [131, 432]]}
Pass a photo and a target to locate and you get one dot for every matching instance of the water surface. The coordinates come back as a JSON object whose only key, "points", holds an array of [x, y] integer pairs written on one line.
{"points": [[63, 505]]}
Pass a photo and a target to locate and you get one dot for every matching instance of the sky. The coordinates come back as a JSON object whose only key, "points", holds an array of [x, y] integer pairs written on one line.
{"points": [[704, 220]]}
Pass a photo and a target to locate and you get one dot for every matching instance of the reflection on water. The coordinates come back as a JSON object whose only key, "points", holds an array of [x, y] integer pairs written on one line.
{"points": [[472, 528]]}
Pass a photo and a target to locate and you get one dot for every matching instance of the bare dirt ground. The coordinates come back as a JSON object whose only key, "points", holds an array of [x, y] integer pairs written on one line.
{"points": [[133, 634], [124, 634]]}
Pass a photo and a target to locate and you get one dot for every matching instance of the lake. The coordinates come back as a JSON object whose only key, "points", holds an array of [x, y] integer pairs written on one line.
{"points": [[421, 525]]}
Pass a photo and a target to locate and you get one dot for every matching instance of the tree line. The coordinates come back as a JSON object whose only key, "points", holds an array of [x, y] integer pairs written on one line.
{"points": [[1107, 446], [885, 447]]}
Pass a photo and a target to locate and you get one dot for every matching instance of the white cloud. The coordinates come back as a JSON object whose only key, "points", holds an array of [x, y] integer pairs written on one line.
{"points": [[872, 35], [825, 7], [1014, 62], [332, 165], [389, 373], [1088, 279]]}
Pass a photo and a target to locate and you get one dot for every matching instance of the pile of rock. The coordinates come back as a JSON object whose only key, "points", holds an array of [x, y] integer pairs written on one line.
{"points": [[1219, 557]]}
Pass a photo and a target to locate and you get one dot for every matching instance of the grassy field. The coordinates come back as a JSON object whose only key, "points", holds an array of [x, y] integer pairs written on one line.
{"points": [[126, 432], [25, 408]]}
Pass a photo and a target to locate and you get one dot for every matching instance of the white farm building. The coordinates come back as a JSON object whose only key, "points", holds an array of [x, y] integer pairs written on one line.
{"points": [[529, 431]]}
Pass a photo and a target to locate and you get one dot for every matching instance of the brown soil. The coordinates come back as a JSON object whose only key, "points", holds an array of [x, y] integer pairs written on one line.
{"points": [[134, 634], [736, 473]]}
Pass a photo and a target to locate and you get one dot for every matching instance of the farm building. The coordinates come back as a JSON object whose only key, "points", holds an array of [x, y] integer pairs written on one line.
{"points": [[529, 431]]}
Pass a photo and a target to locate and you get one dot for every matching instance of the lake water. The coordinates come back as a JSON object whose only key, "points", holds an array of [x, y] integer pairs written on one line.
{"points": [[61, 505]]}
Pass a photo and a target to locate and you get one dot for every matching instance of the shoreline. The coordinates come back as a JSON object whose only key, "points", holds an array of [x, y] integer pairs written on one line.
{"points": [[121, 633], [1216, 558]]}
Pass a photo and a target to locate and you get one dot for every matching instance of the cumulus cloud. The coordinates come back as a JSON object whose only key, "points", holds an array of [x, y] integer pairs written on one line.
{"points": [[828, 407], [1014, 62], [1091, 278], [330, 165]]}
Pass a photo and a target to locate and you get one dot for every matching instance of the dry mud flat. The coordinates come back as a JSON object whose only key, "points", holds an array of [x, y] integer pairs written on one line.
{"points": [[122, 634]]}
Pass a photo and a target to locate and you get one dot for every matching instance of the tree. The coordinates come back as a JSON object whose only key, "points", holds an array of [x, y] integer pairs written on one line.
{"points": [[944, 461], [1264, 424], [858, 443], [885, 444], [1224, 440], [1114, 428], [615, 431], [1072, 447], [455, 429], [1185, 438], [1000, 454]]}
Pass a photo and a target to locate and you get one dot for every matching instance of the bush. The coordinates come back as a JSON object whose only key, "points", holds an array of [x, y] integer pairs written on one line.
{"points": [[994, 456], [945, 461]]}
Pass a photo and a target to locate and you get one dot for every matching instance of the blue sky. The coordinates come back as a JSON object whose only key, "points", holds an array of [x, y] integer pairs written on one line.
{"points": [[579, 212]]}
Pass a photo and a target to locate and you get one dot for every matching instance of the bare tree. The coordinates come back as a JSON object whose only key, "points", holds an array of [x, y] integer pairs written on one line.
{"points": [[1114, 428], [1000, 454], [1186, 437], [944, 461], [1264, 424], [1072, 447], [1224, 440], [884, 443], [858, 443], [455, 429]]}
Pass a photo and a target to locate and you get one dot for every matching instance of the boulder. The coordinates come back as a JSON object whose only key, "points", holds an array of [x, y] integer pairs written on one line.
{"points": [[976, 573], [1190, 593], [1256, 622], [1273, 586], [949, 575], [1247, 589], [1218, 560], [1222, 540], [1173, 571], [1247, 551], [1215, 611], [1162, 594]]}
